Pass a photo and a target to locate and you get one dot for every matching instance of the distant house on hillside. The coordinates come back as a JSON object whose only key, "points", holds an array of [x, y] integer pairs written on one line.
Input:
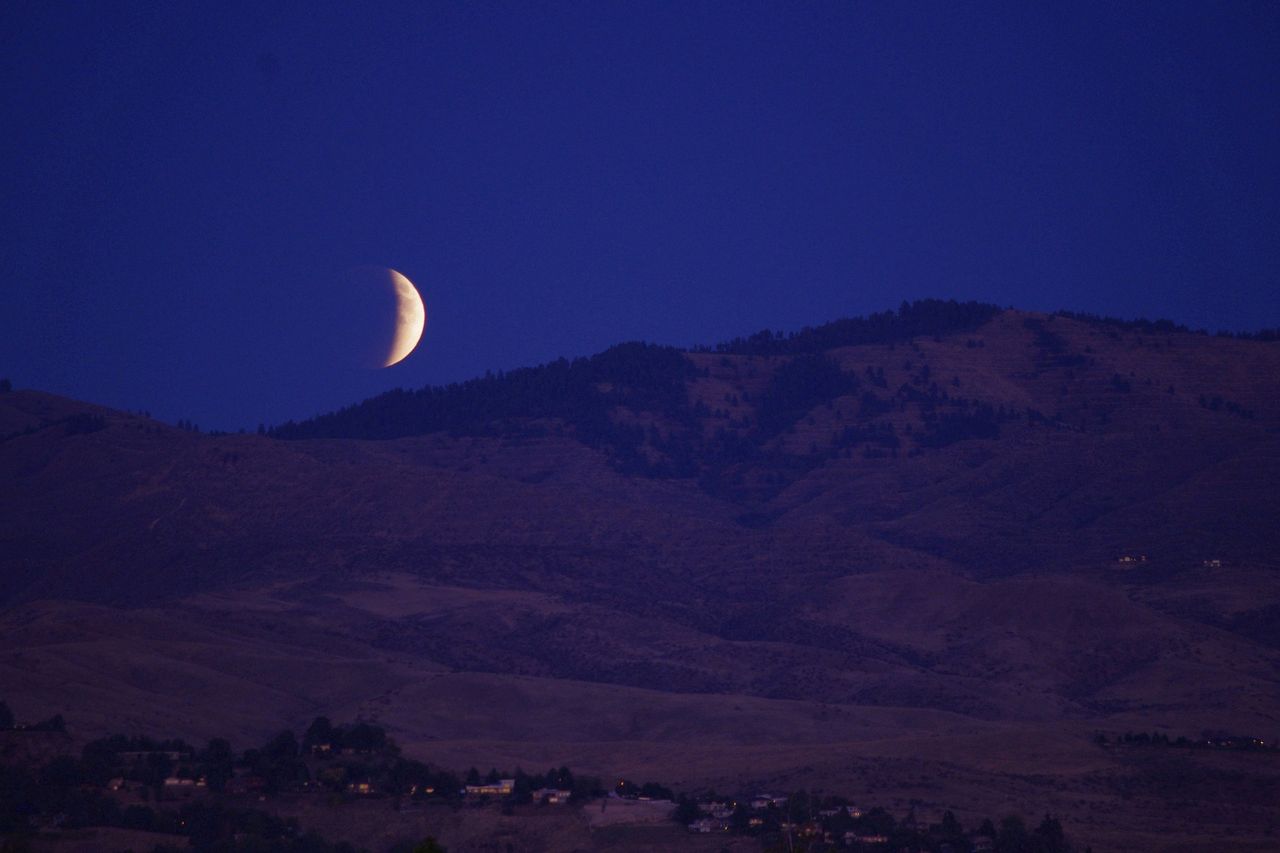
{"points": [[501, 788], [707, 824], [763, 801], [552, 796], [142, 755], [718, 809], [184, 787]]}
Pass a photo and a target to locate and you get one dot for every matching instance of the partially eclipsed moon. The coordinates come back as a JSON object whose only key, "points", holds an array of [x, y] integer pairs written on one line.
{"points": [[411, 319]]}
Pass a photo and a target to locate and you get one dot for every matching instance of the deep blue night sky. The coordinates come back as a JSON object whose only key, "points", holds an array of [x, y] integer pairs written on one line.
{"points": [[181, 182]]}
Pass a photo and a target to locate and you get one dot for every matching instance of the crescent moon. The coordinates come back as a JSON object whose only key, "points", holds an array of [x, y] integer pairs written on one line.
{"points": [[411, 319]]}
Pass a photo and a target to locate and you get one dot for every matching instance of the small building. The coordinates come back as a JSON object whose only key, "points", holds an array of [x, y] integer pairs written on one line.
{"points": [[182, 787], [853, 837], [719, 810], [501, 788], [707, 824], [552, 796], [763, 801], [142, 755]]}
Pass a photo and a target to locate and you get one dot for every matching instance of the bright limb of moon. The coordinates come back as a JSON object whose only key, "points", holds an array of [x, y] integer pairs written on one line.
{"points": [[411, 319]]}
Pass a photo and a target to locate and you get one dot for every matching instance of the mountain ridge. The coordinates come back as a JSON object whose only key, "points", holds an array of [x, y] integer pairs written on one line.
{"points": [[1104, 559]]}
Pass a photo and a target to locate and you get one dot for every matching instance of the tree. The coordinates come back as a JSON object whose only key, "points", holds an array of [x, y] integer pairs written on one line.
{"points": [[6, 717], [5, 386], [1013, 837], [1049, 836], [951, 830], [687, 810], [320, 731], [282, 747], [218, 762]]}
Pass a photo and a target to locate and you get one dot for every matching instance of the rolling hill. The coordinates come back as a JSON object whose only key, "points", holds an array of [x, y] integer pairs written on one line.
{"points": [[923, 556]]}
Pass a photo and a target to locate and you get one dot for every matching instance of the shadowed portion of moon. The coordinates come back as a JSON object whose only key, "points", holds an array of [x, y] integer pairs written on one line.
{"points": [[376, 318]]}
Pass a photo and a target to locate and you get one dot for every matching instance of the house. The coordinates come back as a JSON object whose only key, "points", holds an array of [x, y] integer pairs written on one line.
{"points": [[707, 824], [176, 786], [142, 755], [763, 801], [852, 837], [1212, 564], [552, 796], [501, 788], [364, 787], [719, 810]]}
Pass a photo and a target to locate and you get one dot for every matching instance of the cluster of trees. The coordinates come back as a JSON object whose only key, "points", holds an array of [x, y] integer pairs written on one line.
{"points": [[949, 427], [581, 393], [559, 778], [58, 789], [1216, 404], [358, 736], [589, 398], [649, 790], [923, 318], [1141, 324], [803, 812], [71, 791], [1054, 350], [1207, 740], [585, 393], [53, 724], [797, 387]]}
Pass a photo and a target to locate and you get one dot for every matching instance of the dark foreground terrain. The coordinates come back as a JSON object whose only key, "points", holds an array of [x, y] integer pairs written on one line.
{"points": [[925, 558]]}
